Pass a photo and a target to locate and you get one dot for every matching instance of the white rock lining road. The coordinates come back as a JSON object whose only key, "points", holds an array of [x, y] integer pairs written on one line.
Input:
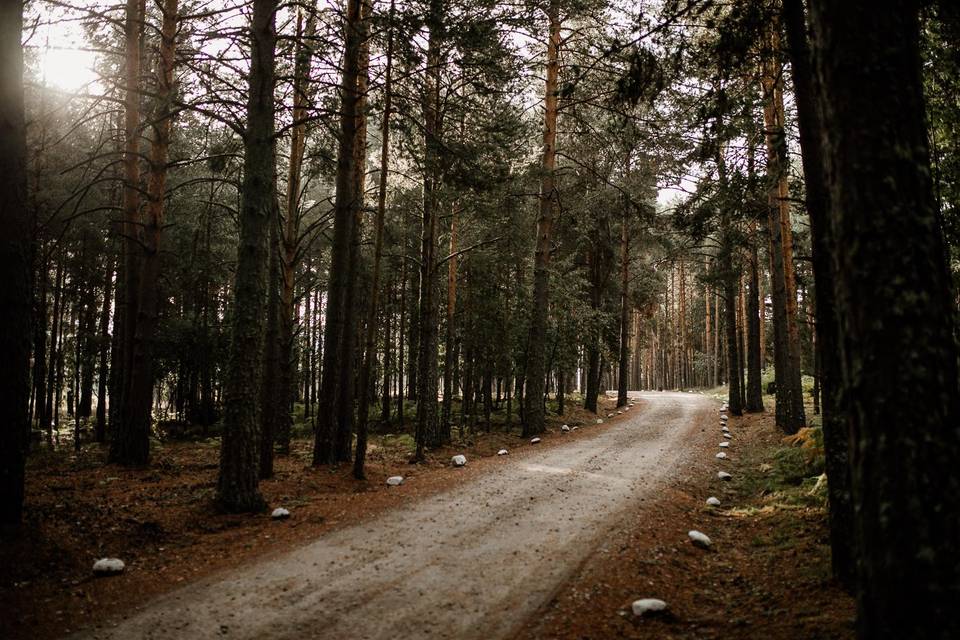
{"points": [[472, 562]]}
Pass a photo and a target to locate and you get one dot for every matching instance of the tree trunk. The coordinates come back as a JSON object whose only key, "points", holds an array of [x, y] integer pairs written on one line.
{"points": [[427, 419], [291, 227], [754, 402], [835, 433], [100, 431], [624, 359], [450, 363], [789, 403], [533, 422], [16, 262], [132, 445], [896, 312], [338, 353], [730, 326], [237, 486], [129, 445], [273, 405], [369, 347]]}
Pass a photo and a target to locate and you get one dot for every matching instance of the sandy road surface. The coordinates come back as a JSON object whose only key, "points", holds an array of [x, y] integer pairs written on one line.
{"points": [[472, 562]]}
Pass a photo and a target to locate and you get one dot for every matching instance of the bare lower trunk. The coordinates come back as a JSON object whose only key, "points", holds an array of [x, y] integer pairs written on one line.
{"points": [[16, 261], [338, 349], [896, 318], [369, 347], [533, 422], [237, 485]]}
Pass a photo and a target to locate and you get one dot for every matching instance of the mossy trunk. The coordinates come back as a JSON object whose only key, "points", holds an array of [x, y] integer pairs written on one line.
{"points": [[896, 312]]}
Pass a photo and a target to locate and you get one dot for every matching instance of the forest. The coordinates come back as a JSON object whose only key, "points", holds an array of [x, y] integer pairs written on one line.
{"points": [[259, 256]]}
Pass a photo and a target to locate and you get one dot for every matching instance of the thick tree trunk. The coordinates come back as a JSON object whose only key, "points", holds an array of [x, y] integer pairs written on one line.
{"points": [[291, 229], [132, 445], [273, 405], [835, 434], [16, 261], [129, 444], [427, 431], [593, 378], [338, 354], [237, 486], [730, 327], [896, 312], [533, 422], [789, 404], [369, 345], [754, 395]]}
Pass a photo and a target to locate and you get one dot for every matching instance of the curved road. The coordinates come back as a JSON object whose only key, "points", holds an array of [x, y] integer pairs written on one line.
{"points": [[472, 562]]}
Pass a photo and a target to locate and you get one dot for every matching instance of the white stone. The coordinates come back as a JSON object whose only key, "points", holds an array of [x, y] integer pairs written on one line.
{"points": [[722, 455], [394, 481], [565, 427], [502, 452], [713, 502], [574, 429], [723, 417], [723, 475], [724, 444], [619, 412], [599, 420], [609, 415], [459, 460], [699, 539], [535, 441], [280, 514], [108, 566], [648, 605]]}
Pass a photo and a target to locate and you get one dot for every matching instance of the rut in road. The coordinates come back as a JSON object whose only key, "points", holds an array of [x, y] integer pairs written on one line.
{"points": [[472, 562]]}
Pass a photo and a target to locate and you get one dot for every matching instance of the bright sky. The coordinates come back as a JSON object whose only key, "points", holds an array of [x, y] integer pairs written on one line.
{"points": [[62, 51], [67, 68]]}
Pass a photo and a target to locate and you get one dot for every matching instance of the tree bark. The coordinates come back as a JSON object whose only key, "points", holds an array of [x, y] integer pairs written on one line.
{"points": [[273, 404], [789, 404], [754, 395], [129, 444], [897, 319], [237, 485], [427, 428], [450, 362], [100, 430], [132, 446], [337, 354], [16, 262], [533, 422], [835, 433], [730, 326], [624, 359], [291, 226], [369, 348]]}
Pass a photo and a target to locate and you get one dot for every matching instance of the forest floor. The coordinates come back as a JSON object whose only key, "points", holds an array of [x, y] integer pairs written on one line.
{"points": [[767, 576]]}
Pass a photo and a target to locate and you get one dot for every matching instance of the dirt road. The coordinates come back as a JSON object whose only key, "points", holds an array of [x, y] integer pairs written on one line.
{"points": [[472, 562]]}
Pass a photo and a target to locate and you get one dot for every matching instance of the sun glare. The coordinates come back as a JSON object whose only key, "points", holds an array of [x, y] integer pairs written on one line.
{"points": [[68, 69]]}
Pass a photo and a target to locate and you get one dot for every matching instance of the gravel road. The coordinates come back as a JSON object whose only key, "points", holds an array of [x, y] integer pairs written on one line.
{"points": [[472, 562]]}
